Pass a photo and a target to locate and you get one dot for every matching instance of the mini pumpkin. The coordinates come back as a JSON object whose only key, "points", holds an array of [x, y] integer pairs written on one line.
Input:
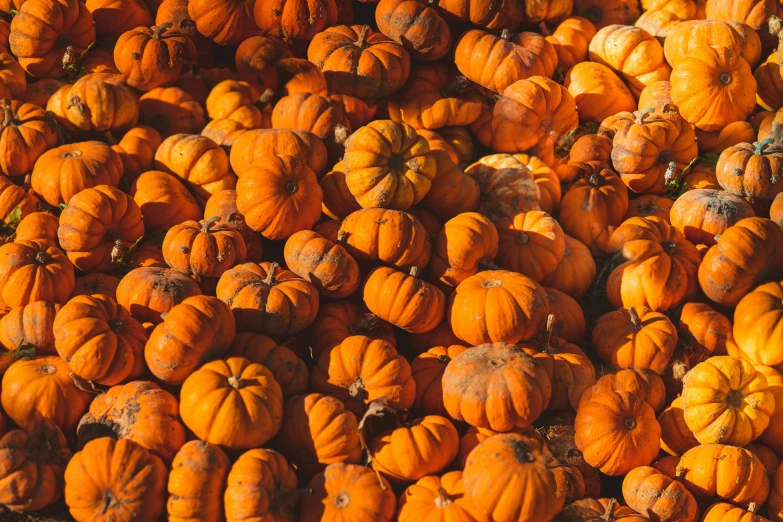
{"points": [[647, 490], [427, 370], [415, 26], [153, 57], [597, 91], [403, 299], [204, 249], [532, 244], [338, 320], [703, 214], [254, 145], [571, 39], [325, 264], [288, 370], [575, 272], [444, 496], [676, 436], [751, 170], [350, 493], [223, 205], [33, 271], [712, 470], [463, 245], [507, 186], [24, 137], [196, 481], [148, 292], [260, 485], [735, 35], [642, 382], [225, 23], [164, 201], [756, 321], [30, 326], [170, 110]]}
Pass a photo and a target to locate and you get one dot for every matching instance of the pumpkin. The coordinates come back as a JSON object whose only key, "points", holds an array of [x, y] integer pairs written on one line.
{"points": [[325, 264], [338, 320], [30, 326], [702, 215], [139, 411], [235, 389], [388, 165], [635, 337], [288, 370], [170, 111], [111, 478], [15, 204], [775, 501], [661, 267], [570, 323], [408, 453], [43, 31], [152, 57], [597, 91], [62, 172], [647, 490], [712, 470], [650, 205], [656, 95], [259, 485], [196, 482], [254, 145], [571, 39], [705, 330], [474, 436], [32, 271], [32, 479], [770, 84], [163, 200], [594, 206], [452, 192], [645, 384], [725, 512], [204, 249], [753, 13], [37, 226], [114, 17], [532, 244], [338, 201], [97, 102], [306, 436], [721, 76], [575, 272], [751, 170], [41, 388], [676, 436], [360, 370], [268, 300], [223, 204], [225, 22], [454, 140], [12, 74], [756, 321], [438, 496], [97, 222], [349, 493], [506, 184], [403, 299], [198, 161], [416, 26], [24, 137], [731, 135], [240, 101], [198, 329], [360, 62], [427, 370], [176, 13], [499, 370], [617, 432], [149, 292], [96, 283], [650, 151], [735, 35], [257, 56], [660, 21], [496, 62], [137, 149], [590, 509], [532, 112], [463, 245], [521, 465], [279, 198], [728, 271]]}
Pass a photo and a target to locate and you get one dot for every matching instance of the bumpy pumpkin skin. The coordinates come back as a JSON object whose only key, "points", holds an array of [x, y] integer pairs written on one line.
{"points": [[735, 35], [204, 249], [647, 490], [306, 436], [712, 470], [425, 447], [110, 478], [31, 478], [725, 512], [726, 401], [196, 482], [37, 36], [256, 487], [350, 493], [492, 369], [617, 431], [153, 57], [139, 411], [522, 465], [416, 26], [703, 214], [198, 329], [507, 186], [241, 387], [381, 371], [32, 271], [36, 389], [295, 18], [148, 292], [727, 272], [532, 244], [751, 170], [322, 262], [97, 102]]}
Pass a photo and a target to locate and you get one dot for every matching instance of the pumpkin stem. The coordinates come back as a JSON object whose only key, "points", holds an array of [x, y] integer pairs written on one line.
{"points": [[340, 134], [609, 513], [668, 247], [115, 325], [208, 223], [458, 86], [636, 322], [69, 58], [110, 139], [641, 115], [366, 324], [594, 179], [41, 258], [356, 390], [8, 114], [266, 96], [550, 328], [544, 29], [85, 385], [118, 253], [414, 272], [270, 276], [489, 265], [159, 30], [362, 41], [236, 382], [763, 144], [521, 238], [753, 507], [443, 499], [342, 500], [505, 34], [342, 235]]}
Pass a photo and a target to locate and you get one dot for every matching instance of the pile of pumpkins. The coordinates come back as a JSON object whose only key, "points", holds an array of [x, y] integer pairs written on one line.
{"points": [[444, 260]]}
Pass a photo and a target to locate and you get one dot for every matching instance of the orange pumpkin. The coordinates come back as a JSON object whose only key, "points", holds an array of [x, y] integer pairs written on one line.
{"points": [[770, 84], [32, 271], [676, 436], [650, 205], [254, 145], [642, 382], [729, 136], [137, 149], [597, 91], [203, 249], [261, 484], [114, 17], [427, 370], [24, 137], [735, 35], [360, 370], [754, 13], [225, 23], [506, 184], [647, 490], [702, 215], [617, 432], [97, 283], [196, 482], [97, 102], [756, 320], [751, 170], [571, 39], [349, 493], [153, 57], [403, 299], [705, 330], [438, 496], [712, 470], [416, 26], [338, 320], [29, 326], [575, 272], [463, 245], [148, 292], [223, 205], [163, 200], [532, 244], [325, 264], [170, 110]]}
